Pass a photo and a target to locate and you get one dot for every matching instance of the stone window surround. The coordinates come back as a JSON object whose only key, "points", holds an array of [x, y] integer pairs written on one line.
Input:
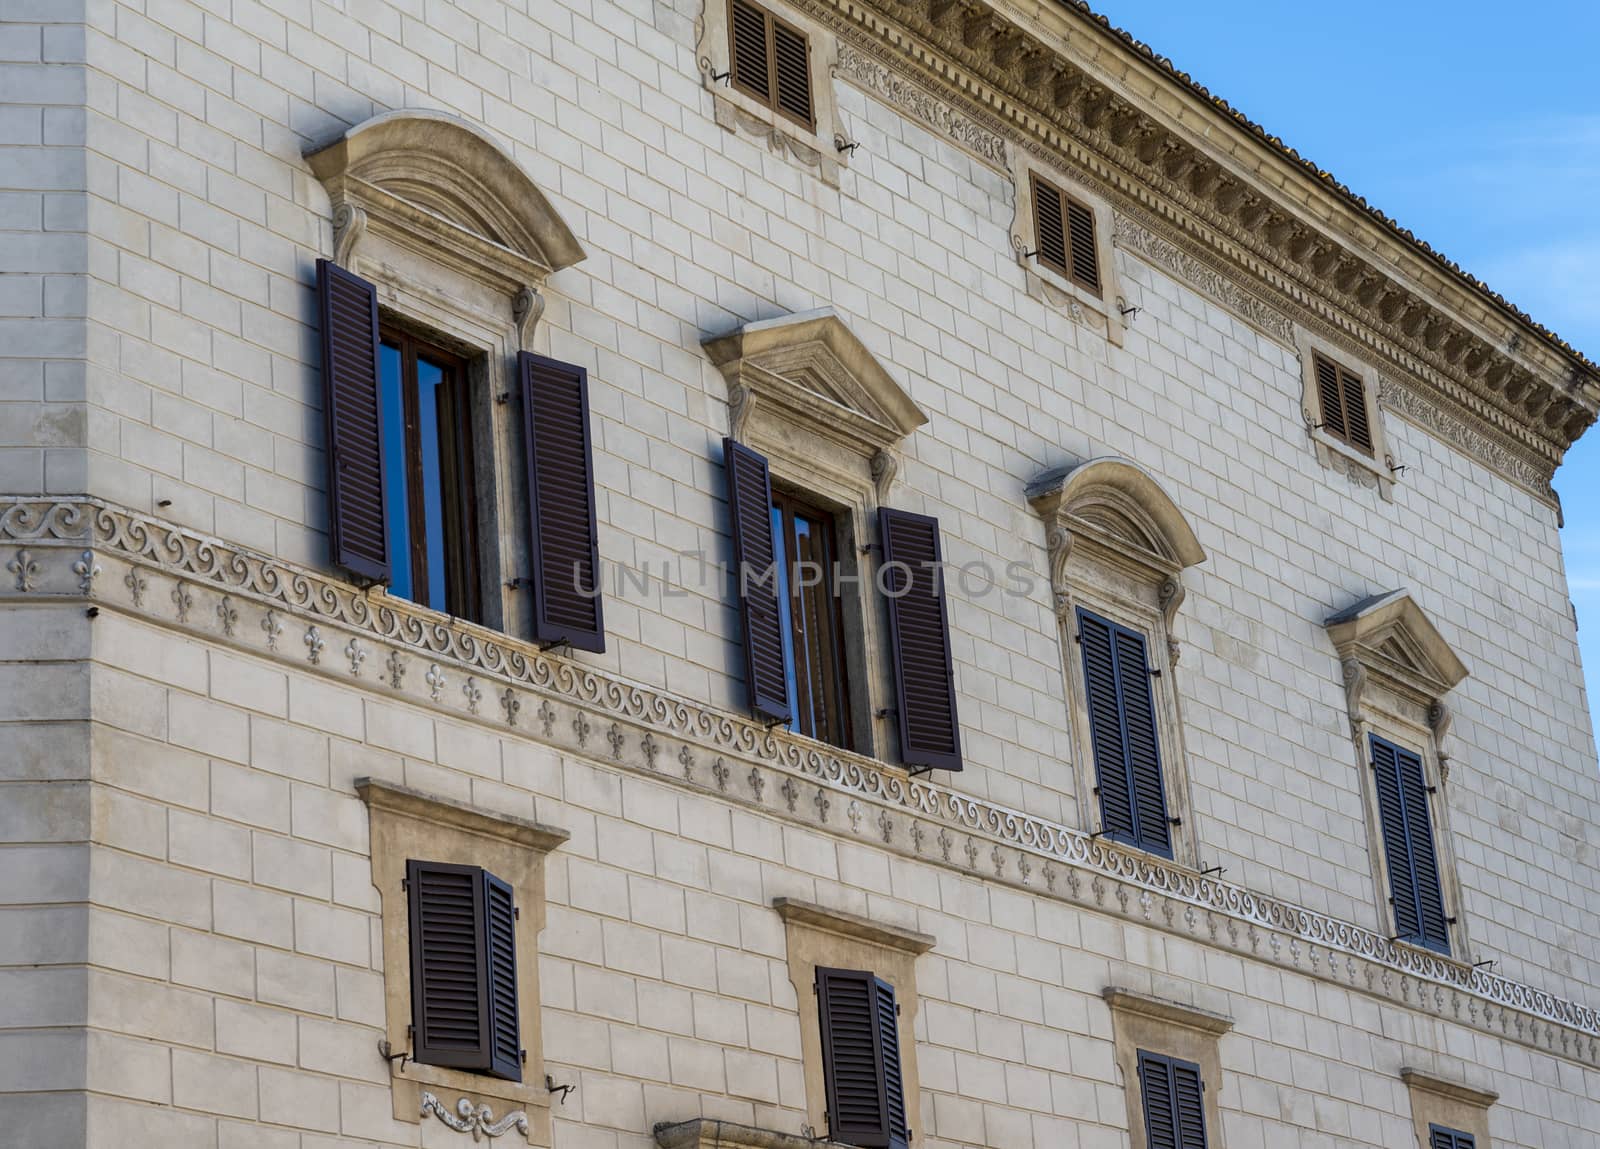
{"points": [[819, 936], [458, 240], [826, 147], [1439, 1101], [807, 394], [1363, 469], [407, 823], [1049, 287], [1397, 669], [1171, 1029], [1118, 547]]}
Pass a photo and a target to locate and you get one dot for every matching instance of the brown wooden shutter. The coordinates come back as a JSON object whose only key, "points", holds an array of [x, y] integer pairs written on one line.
{"points": [[1050, 235], [500, 978], [861, 1059], [919, 641], [562, 541], [1355, 410], [1331, 397], [791, 58], [756, 580], [449, 1008], [358, 530], [750, 61], [1085, 259]]}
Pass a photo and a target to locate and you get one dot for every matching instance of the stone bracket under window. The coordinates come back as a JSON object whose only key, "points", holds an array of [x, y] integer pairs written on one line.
{"points": [[1143, 1021], [408, 824], [1437, 1100], [710, 1133], [819, 936]]}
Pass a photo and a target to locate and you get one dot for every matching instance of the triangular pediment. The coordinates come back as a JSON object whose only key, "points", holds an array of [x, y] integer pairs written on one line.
{"points": [[811, 369], [1394, 639]]}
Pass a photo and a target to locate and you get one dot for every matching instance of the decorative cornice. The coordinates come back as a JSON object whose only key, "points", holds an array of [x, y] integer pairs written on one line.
{"points": [[1129, 1001], [1054, 81], [1454, 1090], [457, 815], [582, 711], [796, 912]]}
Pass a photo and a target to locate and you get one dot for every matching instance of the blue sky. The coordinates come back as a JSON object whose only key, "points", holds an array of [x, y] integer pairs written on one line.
{"points": [[1474, 125]]}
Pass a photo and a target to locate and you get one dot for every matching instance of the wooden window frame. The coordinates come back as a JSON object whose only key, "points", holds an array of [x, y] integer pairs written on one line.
{"points": [[769, 99], [1068, 270], [459, 499], [834, 680]]}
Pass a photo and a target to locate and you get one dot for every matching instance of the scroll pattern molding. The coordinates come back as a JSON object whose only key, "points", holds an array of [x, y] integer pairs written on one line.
{"points": [[179, 578]]}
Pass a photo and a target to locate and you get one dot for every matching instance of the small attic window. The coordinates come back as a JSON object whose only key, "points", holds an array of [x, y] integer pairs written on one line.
{"points": [[1064, 235], [1343, 399], [771, 61]]}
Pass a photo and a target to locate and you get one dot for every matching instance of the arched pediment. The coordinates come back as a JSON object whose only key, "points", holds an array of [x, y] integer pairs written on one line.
{"points": [[439, 185], [1122, 507]]}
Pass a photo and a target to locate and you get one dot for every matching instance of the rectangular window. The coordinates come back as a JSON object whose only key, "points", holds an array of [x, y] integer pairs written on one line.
{"points": [[463, 969], [1441, 1138], [1122, 730], [1174, 1106], [1408, 847], [861, 1059], [805, 556], [770, 61], [1064, 235], [427, 475], [1343, 398]]}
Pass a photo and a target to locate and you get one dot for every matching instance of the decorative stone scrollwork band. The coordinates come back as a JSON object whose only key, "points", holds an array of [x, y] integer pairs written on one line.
{"points": [[479, 1120]]}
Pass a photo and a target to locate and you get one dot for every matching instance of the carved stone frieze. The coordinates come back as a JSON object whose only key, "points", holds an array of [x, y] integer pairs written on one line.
{"points": [[917, 103], [478, 1120], [1316, 253], [752, 759]]}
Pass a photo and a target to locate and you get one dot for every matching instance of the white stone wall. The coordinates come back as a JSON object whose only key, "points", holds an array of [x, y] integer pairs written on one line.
{"points": [[223, 990], [230, 878]]}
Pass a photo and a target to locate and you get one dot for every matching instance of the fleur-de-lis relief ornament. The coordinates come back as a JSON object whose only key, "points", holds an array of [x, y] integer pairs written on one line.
{"points": [[356, 655], [26, 570], [719, 770], [547, 717], [227, 615], [886, 826], [87, 571], [435, 678], [853, 812], [473, 695], [686, 760], [273, 627], [136, 585], [757, 783], [616, 738], [648, 747], [821, 802], [511, 704], [581, 727], [397, 669], [182, 599], [791, 794], [314, 645]]}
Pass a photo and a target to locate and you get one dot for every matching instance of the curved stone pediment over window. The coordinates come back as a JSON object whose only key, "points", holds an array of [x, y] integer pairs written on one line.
{"points": [[1121, 512], [436, 184], [808, 372], [1387, 641]]}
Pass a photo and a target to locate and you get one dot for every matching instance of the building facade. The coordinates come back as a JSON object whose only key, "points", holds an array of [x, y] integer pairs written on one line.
{"points": [[704, 573]]}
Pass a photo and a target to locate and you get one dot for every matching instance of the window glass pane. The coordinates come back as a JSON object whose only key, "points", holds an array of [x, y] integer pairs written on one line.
{"points": [[397, 504], [430, 376], [780, 559]]}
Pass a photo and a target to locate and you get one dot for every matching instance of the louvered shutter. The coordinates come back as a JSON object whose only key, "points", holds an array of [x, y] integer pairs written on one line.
{"points": [[1050, 233], [1414, 887], [1095, 636], [1441, 1138], [1085, 260], [750, 62], [450, 1010], [1144, 755], [861, 1059], [348, 306], [756, 575], [562, 540], [1155, 1089], [791, 59], [500, 978], [1331, 396], [1355, 410], [919, 639], [1173, 1097]]}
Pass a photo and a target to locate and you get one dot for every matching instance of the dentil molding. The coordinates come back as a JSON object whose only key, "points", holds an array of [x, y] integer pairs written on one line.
{"points": [[176, 578]]}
